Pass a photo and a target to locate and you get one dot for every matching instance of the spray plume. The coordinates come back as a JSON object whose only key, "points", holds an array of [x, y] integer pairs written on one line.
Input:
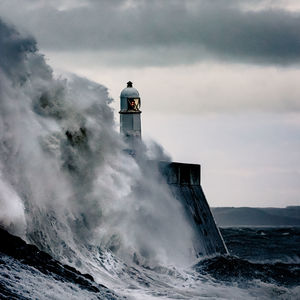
{"points": [[65, 182]]}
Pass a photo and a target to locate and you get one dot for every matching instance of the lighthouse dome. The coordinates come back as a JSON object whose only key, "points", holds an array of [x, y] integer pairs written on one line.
{"points": [[129, 91]]}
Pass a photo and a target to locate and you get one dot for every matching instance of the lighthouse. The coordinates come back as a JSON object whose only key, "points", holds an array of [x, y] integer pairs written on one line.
{"points": [[130, 117], [183, 179]]}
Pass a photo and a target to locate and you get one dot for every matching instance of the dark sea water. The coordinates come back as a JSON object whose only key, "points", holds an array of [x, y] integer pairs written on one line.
{"points": [[264, 263], [271, 255], [271, 244]]}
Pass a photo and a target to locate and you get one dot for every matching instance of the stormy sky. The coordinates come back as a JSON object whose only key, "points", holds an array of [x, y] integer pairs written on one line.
{"points": [[219, 80]]}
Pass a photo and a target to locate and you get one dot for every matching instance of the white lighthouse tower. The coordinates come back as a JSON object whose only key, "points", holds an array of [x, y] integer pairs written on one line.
{"points": [[130, 117]]}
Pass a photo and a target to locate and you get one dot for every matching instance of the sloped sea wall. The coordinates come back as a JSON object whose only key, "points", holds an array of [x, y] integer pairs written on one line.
{"points": [[184, 182]]}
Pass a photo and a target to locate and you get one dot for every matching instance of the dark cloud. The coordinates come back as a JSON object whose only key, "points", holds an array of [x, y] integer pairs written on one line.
{"points": [[166, 31]]}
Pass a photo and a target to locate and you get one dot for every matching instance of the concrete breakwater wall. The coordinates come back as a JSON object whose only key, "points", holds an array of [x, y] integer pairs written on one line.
{"points": [[184, 182]]}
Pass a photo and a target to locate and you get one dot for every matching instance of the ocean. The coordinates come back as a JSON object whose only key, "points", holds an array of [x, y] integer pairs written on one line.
{"points": [[264, 263]]}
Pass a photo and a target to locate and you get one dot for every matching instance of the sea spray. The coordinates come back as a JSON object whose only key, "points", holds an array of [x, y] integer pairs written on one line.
{"points": [[65, 176]]}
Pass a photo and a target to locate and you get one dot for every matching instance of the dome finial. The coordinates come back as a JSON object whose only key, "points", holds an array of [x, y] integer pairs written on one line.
{"points": [[129, 84]]}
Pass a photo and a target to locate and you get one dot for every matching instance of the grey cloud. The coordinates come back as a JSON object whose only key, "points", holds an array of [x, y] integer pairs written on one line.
{"points": [[192, 30]]}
